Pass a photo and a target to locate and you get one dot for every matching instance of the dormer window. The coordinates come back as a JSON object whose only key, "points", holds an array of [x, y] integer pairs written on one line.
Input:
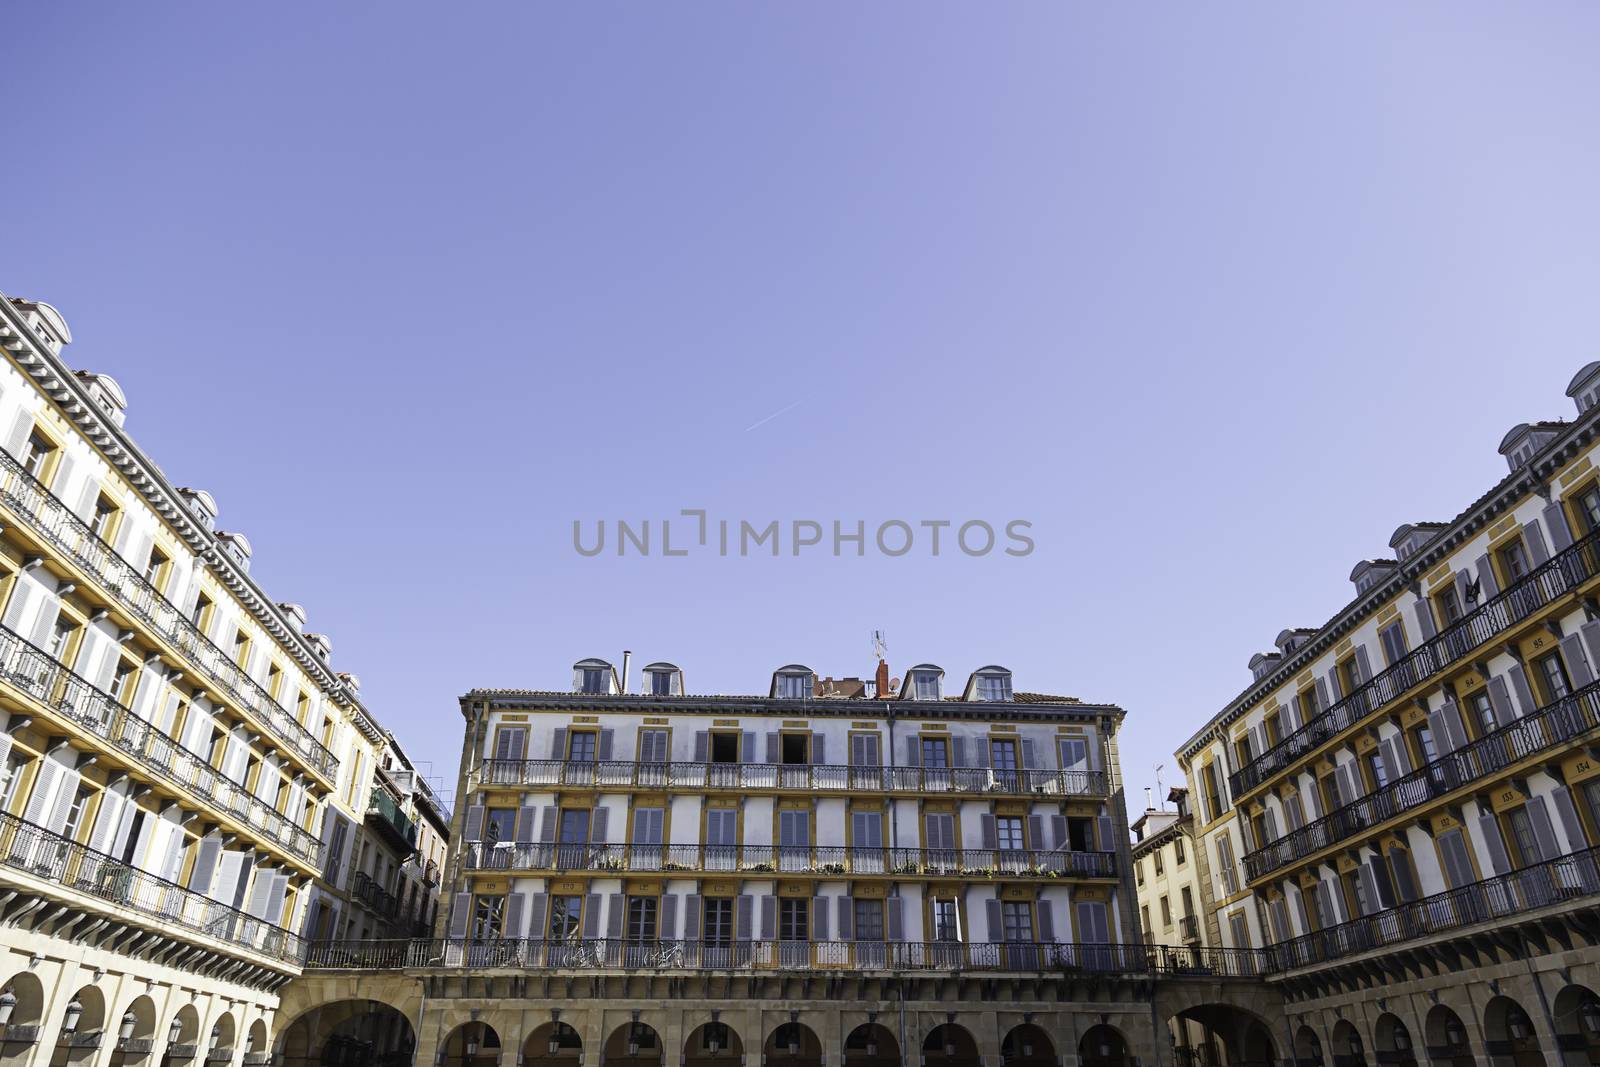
{"points": [[923, 682], [594, 680], [663, 680], [992, 684], [793, 682], [594, 676], [927, 686]]}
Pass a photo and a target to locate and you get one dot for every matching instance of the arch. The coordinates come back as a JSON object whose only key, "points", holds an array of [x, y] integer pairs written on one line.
{"points": [[182, 1036], [792, 1044], [1393, 1041], [1577, 1016], [950, 1045], [713, 1044], [871, 1045], [1103, 1045], [1221, 1035], [472, 1044], [1445, 1037], [135, 1032], [1509, 1036], [256, 1041], [552, 1044], [1027, 1045], [27, 1008], [346, 1033], [83, 1026], [634, 1044], [1307, 1048], [224, 1034], [1349, 1047]]}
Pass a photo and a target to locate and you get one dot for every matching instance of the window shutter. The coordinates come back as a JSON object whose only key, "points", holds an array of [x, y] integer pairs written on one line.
{"points": [[692, 910], [819, 748], [1555, 521], [1488, 588], [773, 751], [749, 753], [958, 749], [819, 919], [1047, 922], [858, 750], [474, 829], [1577, 662], [1294, 712], [1424, 613], [1380, 878], [1335, 686], [846, 908], [205, 864], [991, 911], [547, 823], [1030, 754], [591, 916], [525, 824], [66, 793], [1450, 715], [1270, 821], [598, 824], [1036, 832], [1500, 701], [1442, 738], [701, 746], [1058, 831], [502, 744], [1325, 699], [1519, 686], [1543, 832], [1568, 814], [1299, 899], [769, 917], [460, 912], [742, 919], [1363, 664], [668, 930], [607, 739], [537, 903], [105, 823], [1394, 760], [990, 839], [615, 909], [1291, 815], [895, 917], [1533, 534], [1495, 844], [913, 751], [558, 744], [980, 752], [1106, 842], [1405, 886]]}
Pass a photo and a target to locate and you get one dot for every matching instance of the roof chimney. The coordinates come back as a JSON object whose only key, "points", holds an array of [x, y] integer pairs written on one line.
{"points": [[882, 681], [627, 660]]}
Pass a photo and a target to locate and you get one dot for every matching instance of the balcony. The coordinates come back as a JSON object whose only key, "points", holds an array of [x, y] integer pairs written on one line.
{"points": [[180, 1053], [787, 777], [1558, 576], [53, 522], [430, 873], [70, 696], [19, 1035], [1189, 928], [1539, 885], [1551, 727], [385, 811], [38, 853], [80, 1040], [136, 1047], [373, 895], [789, 859]]}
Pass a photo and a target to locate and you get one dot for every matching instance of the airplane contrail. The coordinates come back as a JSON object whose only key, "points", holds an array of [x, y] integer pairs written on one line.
{"points": [[775, 414]]}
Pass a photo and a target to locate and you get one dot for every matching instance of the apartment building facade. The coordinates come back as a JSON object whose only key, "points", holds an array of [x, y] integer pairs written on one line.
{"points": [[1402, 806], [1168, 875], [869, 873], [182, 771]]}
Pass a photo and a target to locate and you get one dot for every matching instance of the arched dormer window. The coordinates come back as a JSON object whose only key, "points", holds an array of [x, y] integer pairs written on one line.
{"points": [[794, 682], [594, 676], [663, 680], [925, 681], [990, 684]]}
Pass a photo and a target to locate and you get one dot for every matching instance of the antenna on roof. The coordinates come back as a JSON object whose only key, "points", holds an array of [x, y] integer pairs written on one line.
{"points": [[1159, 791], [879, 645]]}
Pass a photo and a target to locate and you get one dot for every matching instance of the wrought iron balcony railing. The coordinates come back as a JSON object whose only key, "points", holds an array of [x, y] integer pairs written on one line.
{"points": [[136, 1046], [1189, 927], [81, 1040], [13, 1034], [49, 518], [379, 899], [789, 859], [928, 957], [46, 680], [180, 1053], [1556, 577], [35, 851], [796, 777], [1551, 727], [387, 810], [1565, 878]]}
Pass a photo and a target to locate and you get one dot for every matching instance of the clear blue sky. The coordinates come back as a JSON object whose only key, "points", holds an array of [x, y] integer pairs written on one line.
{"points": [[1215, 297]]}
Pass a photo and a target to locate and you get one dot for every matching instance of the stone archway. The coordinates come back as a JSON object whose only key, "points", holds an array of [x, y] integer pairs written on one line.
{"points": [[1393, 1042], [553, 1044], [1445, 1037], [1103, 1045], [871, 1045], [347, 1033], [136, 1033], [950, 1045], [224, 1033], [634, 1044], [1577, 1015], [182, 1037], [713, 1044], [1509, 1036], [1349, 1047], [1027, 1045], [473, 1044], [792, 1044], [1220, 1035], [256, 1042], [1307, 1048], [82, 1029], [23, 994]]}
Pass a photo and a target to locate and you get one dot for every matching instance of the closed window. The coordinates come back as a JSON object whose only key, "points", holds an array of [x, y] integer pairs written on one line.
{"points": [[1587, 507], [1008, 832], [1016, 922], [36, 453], [574, 826], [1423, 736], [1514, 561], [793, 919], [722, 827], [661, 683], [653, 746], [866, 829], [1380, 773], [935, 752], [1393, 639], [1074, 753], [1524, 845], [1449, 606], [1166, 912], [60, 643], [1178, 852], [581, 746], [105, 517], [1483, 711], [794, 686], [869, 920], [927, 685], [994, 687], [487, 916], [1160, 866], [794, 829], [719, 920], [641, 919], [593, 680], [500, 825], [565, 913], [1553, 674], [1003, 755]]}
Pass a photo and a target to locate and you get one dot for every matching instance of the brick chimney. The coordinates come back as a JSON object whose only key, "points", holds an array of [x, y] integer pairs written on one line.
{"points": [[883, 680]]}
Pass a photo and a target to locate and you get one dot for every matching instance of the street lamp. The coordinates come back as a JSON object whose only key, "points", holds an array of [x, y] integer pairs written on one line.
{"points": [[633, 1036], [8, 1004], [129, 1021], [69, 1025], [1590, 1012], [1454, 1036]]}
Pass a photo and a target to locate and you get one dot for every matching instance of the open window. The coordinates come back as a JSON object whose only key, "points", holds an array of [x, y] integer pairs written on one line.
{"points": [[724, 748], [794, 749]]}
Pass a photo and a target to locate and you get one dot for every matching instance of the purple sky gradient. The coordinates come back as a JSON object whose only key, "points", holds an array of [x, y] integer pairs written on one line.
{"points": [[1215, 297]]}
